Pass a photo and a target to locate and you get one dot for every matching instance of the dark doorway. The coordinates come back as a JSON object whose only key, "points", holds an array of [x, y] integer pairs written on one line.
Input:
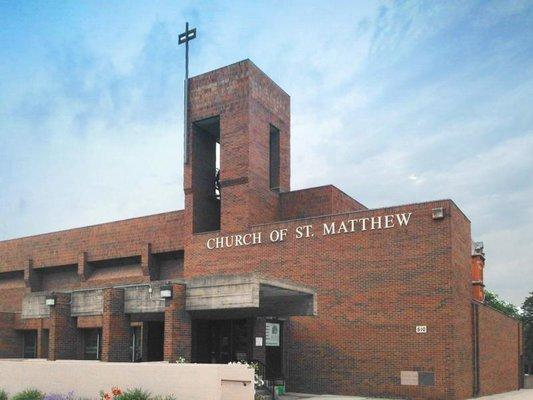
{"points": [[92, 344], [274, 349], [29, 344], [222, 341], [155, 340]]}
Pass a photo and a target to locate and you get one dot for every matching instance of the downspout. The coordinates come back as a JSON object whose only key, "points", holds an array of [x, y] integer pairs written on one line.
{"points": [[475, 349]]}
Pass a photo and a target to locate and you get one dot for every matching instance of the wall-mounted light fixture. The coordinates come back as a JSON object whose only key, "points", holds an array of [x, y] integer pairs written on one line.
{"points": [[166, 291], [437, 213], [50, 300]]}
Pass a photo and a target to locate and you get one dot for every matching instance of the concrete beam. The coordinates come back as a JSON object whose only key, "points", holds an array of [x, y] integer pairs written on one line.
{"points": [[249, 294]]}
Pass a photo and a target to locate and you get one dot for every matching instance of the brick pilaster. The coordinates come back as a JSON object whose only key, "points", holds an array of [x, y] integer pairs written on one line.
{"points": [[116, 335], [42, 341], [84, 267], [148, 263], [30, 278], [63, 337], [177, 326]]}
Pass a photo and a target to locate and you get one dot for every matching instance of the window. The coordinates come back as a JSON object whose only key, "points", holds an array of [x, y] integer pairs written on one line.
{"points": [[206, 175], [274, 157]]}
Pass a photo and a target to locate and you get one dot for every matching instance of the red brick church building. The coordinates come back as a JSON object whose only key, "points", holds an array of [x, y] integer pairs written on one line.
{"points": [[328, 295]]}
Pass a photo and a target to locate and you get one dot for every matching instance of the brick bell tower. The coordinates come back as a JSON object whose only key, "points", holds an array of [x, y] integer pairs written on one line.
{"points": [[239, 125]]}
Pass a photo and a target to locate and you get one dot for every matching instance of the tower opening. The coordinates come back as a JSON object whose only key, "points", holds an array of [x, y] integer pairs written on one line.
{"points": [[274, 157], [205, 175]]}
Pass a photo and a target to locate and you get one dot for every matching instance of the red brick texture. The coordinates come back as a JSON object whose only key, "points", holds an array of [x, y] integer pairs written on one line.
{"points": [[499, 339], [247, 102], [101, 242], [63, 339], [374, 288], [10, 340], [116, 335], [315, 202], [177, 327]]}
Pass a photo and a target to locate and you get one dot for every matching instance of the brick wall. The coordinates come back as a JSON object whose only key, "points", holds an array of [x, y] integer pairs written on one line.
{"points": [[373, 288], [12, 291], [314, 202], [499, 347], [105, 241], [10, 340], [459, 335]]}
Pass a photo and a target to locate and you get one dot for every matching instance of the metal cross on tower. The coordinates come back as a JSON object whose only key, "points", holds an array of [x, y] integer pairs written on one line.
{"points": [[185, 37]]}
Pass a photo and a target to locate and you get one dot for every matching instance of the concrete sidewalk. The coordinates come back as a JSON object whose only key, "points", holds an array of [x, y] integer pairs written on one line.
{"points": [[524, 394]]}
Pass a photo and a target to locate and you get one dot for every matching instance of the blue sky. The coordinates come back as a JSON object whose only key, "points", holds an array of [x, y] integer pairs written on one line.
{"points": [[394, 102]]}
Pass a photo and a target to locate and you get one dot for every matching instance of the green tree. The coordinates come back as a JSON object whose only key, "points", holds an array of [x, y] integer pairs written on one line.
{"points": [[493, 300], [527, 319]]}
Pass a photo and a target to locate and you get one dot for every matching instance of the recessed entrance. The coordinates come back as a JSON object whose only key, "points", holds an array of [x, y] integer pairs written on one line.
{"points": [[222, 341], [29, 344], [92, 344]]}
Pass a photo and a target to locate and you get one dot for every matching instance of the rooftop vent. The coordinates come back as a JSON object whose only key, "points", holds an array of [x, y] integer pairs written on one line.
{"points": [[478, 249]]}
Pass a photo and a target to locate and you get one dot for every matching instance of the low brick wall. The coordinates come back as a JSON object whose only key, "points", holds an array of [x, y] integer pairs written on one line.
{"points": [[87, 378]]}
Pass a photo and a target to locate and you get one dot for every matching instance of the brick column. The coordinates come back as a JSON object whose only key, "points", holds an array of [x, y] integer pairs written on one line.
{"points": [[42, 341], [10, 340], [177, 326], [116, 335], [63, 336], [259, 352]]}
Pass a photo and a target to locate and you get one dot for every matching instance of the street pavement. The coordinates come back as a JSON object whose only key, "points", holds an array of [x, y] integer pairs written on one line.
{"points": [[524, 394]]}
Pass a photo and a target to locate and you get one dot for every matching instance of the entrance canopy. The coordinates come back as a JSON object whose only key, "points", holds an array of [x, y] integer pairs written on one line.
{"points": [[246, 296]]}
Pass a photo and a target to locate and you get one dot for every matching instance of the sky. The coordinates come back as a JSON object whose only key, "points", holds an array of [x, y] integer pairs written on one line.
{"points": [[393, 102]]}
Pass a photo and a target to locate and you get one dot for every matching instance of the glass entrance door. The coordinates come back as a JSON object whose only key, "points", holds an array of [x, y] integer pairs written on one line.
{"points": [[222, 341]]}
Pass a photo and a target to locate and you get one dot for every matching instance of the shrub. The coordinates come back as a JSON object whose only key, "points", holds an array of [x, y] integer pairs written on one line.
{"points": [[130, 394], [134, 394], [3, 395], [167, 397], [58, 396], [28, 394]]}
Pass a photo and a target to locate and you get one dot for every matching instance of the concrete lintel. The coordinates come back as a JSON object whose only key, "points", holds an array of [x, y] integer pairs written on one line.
{"points": [[251, 294]]}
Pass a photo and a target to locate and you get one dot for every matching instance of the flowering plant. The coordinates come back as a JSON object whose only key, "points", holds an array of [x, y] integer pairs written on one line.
{"points": [[258, 379], [115, 392]]}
